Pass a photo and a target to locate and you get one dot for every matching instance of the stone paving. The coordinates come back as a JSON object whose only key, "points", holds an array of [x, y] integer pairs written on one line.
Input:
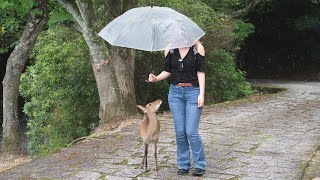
{"points": [[264, 137]]}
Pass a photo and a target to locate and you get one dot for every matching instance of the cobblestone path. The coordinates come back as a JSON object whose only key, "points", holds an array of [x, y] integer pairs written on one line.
{"points": [[265, 137]]}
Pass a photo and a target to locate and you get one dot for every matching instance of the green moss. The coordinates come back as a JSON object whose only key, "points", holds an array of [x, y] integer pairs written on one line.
{"points": [[117, 136], [268, 89], [304, 167], [136, 155], [253, 149], [103, 177], [234, 178], [124, 162]]}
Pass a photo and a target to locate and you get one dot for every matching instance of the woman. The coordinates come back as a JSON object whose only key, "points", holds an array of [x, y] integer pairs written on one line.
{"points": [[186, 66]]}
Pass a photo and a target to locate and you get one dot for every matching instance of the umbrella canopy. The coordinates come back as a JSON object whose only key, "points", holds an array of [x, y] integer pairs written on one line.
{"points": [[152, 29]]}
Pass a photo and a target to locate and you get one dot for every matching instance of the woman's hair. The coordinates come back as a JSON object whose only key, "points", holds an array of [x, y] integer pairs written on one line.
{"points": [[197, 43]]}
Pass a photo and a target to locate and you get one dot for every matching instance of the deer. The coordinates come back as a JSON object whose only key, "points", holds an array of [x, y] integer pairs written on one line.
{"points": [[149, 131]]}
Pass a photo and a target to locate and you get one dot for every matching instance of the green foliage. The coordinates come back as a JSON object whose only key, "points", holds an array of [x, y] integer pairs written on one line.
{"points": [[227, 5], [286, 40], [20, 8], [196, 10], [13, 15], [242, 30], [226, 82], [58, 15], [306, 22], [308, 18], [13, 18], [62, 100]]}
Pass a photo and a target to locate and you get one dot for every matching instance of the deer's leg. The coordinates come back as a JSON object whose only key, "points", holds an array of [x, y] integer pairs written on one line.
{"points": [[155, 157], [145, 156]]}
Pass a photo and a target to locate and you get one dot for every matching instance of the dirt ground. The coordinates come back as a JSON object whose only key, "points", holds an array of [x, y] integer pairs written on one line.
{"points": [[10, 161]]}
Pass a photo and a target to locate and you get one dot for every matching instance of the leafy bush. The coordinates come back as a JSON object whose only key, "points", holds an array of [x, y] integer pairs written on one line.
{"points": [[224, 81], [62, 100]]}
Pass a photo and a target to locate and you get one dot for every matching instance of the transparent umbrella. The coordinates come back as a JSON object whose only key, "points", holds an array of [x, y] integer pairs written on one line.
{"points": [[152, 28]]}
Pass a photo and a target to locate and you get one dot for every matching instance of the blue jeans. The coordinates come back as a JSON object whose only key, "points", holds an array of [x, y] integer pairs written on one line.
{"points": [[183, 102]]}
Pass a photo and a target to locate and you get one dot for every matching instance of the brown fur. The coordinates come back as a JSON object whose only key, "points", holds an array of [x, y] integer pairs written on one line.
{"points": [[149, 130]]}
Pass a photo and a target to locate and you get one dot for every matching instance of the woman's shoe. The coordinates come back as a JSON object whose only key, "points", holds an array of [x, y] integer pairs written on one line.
{"points": [[183, 171], [198, 172]]}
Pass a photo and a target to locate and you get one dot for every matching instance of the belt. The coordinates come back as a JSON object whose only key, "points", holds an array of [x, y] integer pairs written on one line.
{"points": [[184, 84]]}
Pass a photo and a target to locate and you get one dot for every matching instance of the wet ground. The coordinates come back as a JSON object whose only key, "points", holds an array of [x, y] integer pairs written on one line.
{"points": [[264, 137]]}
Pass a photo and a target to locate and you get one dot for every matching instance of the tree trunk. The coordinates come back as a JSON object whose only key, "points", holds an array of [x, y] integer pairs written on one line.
{"points": [[123, 59], [15, 66], [123, 63], [108, 88], [115, 79]]}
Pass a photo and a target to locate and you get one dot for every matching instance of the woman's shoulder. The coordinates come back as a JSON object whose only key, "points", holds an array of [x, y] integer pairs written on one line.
{"points": [[167, 51], [200, 49]]}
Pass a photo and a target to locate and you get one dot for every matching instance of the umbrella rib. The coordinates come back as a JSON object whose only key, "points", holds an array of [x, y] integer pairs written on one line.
{"points": [[152, 46], [130, 22], [162, 28], [183, 36]]}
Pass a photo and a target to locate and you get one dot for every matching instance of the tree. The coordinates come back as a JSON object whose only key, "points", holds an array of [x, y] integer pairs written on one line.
{"points": [[114, 74], [285, 43], [61, 96], [37, 19]]}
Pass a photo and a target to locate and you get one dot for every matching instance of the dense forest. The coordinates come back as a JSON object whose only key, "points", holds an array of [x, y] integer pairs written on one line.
{"points": [[285, 43], [50, 51]]}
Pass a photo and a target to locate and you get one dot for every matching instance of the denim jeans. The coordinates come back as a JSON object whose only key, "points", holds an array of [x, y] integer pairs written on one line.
{"points": [[183, 102]]}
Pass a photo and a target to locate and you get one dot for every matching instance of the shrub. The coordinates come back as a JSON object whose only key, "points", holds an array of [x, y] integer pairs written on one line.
{"points": [[62, 100], [224, 81]]}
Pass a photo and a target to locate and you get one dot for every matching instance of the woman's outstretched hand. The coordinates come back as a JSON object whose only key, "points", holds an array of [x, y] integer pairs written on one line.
{"points": [[152, 78]]}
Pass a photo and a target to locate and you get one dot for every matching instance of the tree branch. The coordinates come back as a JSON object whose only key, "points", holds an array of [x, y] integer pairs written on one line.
{"points": [[73, 10], [86, 10]]}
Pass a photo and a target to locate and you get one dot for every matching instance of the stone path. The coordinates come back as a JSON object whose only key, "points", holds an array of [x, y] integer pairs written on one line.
{"points": [[264, 137]]}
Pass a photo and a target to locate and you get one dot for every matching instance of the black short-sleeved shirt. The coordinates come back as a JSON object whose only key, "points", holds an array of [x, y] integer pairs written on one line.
{"points": [[184, 71]]}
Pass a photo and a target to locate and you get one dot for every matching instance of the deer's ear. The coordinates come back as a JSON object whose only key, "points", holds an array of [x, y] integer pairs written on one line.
{"points": [[142, 108]]}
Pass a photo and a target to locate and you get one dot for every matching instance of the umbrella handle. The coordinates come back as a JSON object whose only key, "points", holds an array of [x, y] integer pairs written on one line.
{"points": [[152, 71]]}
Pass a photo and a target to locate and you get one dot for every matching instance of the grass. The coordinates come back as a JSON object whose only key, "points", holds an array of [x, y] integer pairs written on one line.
{"points": [[268, 89]]}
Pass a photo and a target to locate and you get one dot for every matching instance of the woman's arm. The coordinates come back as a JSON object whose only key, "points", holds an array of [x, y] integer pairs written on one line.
{"points": [[163, 75], [201, 78]]}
